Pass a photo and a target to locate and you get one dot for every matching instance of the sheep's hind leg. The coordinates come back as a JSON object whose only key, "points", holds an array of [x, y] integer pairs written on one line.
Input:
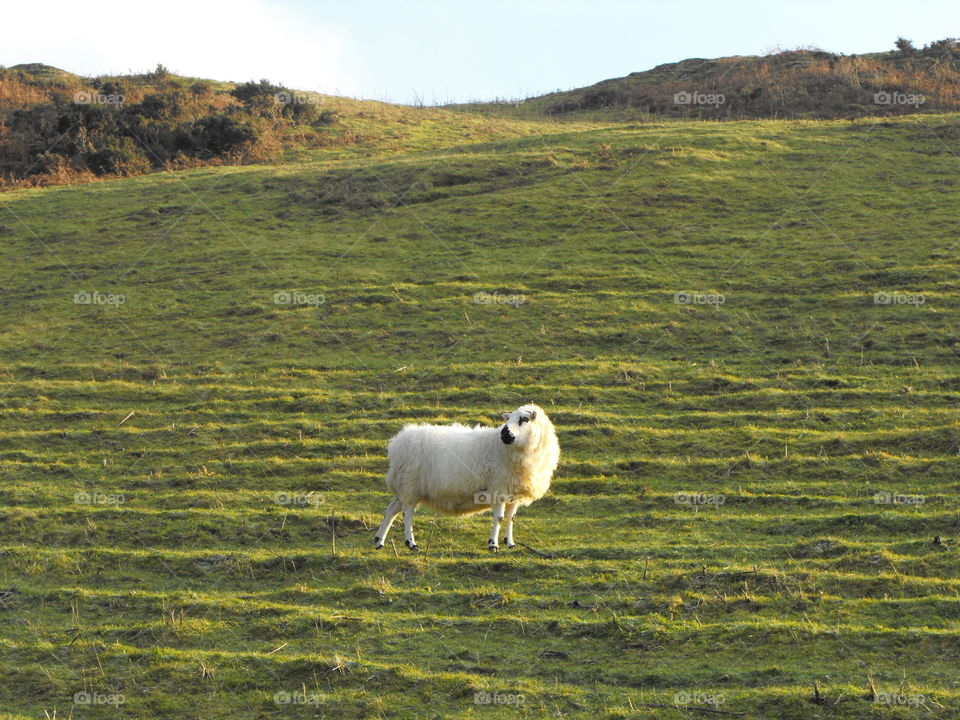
{"points": [[508, 539], [408, 526], [497, 508], [393, 509]]}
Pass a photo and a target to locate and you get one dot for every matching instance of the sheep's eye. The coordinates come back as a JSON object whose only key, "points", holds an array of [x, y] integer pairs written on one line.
{"points": [[522, 421]]}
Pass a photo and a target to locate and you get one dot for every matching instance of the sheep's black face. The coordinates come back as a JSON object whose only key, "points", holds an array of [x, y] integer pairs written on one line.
{"points": [[519, 428]]}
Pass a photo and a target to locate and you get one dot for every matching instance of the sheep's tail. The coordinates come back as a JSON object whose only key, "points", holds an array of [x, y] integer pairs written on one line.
{"points": [[390, 477]]}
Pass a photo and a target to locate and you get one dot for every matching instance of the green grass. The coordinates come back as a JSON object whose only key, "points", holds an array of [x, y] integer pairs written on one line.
{"points": [[193, 593]]}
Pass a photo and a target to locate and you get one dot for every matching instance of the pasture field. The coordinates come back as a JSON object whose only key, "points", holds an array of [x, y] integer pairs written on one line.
{"points": [[745, 333]]}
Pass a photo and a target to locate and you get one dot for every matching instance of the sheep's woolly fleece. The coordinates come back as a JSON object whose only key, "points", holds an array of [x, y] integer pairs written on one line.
{"points": [[459, 471]]}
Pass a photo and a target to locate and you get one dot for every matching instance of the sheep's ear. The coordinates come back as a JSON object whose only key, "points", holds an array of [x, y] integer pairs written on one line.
{"points": [[506, 416], [533, 414]]}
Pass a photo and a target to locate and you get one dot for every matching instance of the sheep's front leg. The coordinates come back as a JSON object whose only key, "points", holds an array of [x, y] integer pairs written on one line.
{"points": [[408, 526], [393, 509], [511, 509], [497, 508]]}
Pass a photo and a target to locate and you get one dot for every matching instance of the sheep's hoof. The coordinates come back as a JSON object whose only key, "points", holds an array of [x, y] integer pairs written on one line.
{"points": [[511, 546], [412, 546], [378, 546], [494, 548]]}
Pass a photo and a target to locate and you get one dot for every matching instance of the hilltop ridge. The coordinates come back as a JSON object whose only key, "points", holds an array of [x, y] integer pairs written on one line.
{"points": [[58, 128], [803, 83]]}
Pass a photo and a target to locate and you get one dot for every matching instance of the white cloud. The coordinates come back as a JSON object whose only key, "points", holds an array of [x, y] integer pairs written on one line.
{"points": [[237, 40]]}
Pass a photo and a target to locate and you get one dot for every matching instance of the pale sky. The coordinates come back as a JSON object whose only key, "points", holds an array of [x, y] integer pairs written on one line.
{"points": [[441, 51]]}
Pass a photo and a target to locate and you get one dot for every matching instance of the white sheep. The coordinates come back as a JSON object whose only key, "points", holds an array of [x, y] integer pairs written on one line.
{"points": [[459, 471]]}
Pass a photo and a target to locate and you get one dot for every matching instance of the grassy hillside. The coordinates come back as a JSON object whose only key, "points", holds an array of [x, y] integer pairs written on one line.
{"points": [[745, 333], [58, 128], [806, 83]]}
